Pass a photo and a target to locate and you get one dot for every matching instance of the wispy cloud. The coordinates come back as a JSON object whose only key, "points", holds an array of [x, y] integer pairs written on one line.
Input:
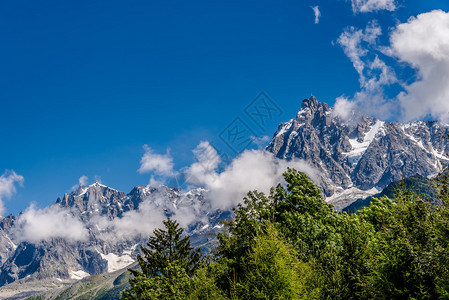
{"points": [[317, 13], [364, 6], [7, 186], [82, 181], [421, 43], [261, 142], [374, 74]]}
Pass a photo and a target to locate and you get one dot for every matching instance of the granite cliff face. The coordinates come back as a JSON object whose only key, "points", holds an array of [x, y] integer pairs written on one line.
{"points": [[361, 153], [105, 249]]}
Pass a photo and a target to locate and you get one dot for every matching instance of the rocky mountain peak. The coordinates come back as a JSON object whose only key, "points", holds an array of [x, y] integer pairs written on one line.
{"points": [[310, 103], [363, 152], [95, 199]]}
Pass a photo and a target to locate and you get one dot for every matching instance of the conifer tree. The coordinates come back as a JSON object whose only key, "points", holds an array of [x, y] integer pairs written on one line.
{"points": [[167, 251]]}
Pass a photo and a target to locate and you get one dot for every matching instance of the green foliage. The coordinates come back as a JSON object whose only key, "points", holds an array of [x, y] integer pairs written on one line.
{"points": [[291, 244], [166, 267], [204, 284], [273, 271], [417, 183]]}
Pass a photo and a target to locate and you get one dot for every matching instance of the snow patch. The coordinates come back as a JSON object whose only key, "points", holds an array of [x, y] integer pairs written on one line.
{"points": [[285, 127], [359, 148], [116, 262], [348, 196], [11, 243], [78, 274], [83, 191]]}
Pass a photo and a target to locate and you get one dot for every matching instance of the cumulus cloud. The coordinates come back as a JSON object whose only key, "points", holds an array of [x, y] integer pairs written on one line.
{"points": [[7, 186], [423, 43], [317, 13], [159, 164], [374, 74], [251, 170], [35, 225], [363, 6]]}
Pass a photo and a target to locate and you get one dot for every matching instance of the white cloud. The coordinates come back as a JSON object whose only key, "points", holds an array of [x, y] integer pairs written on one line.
{"points": [[363, 6], [251, 170], [159, 164], [35, 225], [82, 181], [7, 186], [317, 13], [343, 108], [374, 74], [261, 142], [149, 216], [355, 43], [142, 221], [423, 43], [207, 161]]}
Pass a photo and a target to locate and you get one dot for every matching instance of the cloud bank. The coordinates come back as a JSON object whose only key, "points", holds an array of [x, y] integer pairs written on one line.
{"points": [[8, 181]]}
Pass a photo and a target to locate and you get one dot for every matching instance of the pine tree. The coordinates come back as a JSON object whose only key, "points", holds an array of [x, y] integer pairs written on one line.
{"points": [[167, 250]]}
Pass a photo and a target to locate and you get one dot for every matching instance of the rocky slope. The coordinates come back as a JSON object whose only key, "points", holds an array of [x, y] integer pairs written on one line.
{"points": [[361, 153]]}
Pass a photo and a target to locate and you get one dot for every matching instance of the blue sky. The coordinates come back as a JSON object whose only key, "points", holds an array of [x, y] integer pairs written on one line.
{"points": [[85, 84]]}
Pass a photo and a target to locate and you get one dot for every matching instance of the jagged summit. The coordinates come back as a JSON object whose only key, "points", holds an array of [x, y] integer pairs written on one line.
{"points": [[312, 102], [97, 184], [365, 153]]}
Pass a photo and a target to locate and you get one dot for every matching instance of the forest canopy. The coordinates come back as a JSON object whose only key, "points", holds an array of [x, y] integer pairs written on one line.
{"points": [[291, 244]]}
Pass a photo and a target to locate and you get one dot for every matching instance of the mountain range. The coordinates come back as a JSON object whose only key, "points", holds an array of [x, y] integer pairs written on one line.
{"points": [[355, 157]]}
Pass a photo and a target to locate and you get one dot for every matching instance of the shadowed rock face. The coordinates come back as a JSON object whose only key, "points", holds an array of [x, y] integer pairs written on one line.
{"points": [[64, 259], [361, 152]]}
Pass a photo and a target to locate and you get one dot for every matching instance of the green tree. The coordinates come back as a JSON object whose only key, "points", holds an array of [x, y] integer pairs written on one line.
{"points": [[166, 265], [273, 271]]}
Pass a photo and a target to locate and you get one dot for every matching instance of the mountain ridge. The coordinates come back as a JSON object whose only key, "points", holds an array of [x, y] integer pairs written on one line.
{"points": [[362, 152]]}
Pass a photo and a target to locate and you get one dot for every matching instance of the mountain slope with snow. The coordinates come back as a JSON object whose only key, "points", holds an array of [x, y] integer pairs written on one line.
{"points": [[362, 153], [116, 223]]}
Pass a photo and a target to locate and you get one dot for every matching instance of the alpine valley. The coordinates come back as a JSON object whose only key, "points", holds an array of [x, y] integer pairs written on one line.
{"points": [[355, 158]]}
